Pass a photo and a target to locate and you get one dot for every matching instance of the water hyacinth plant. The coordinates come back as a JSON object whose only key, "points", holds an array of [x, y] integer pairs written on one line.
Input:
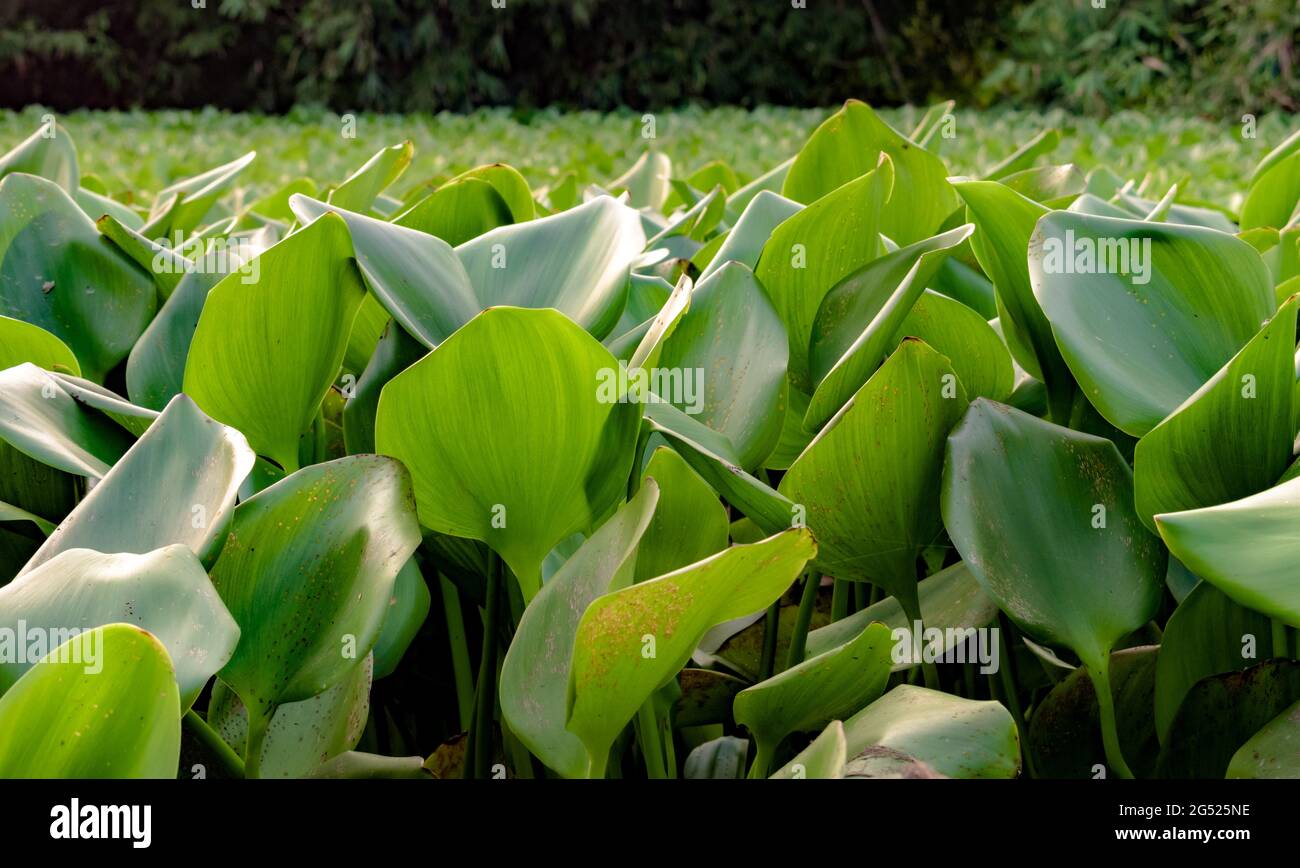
{"points": [[854, 467]]}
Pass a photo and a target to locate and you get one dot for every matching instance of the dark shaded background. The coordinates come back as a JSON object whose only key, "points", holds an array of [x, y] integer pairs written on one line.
{"points": [[1202, 56]]}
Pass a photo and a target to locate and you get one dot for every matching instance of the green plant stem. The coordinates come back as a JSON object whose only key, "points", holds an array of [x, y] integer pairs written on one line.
{"points": [[771, 624], [230, 761], [911, 606], [840, 600], [652, 750], [1007, 675], [479, 750], [799, 636], [1280, 648], [460, 662], [1100, 673], [257, 728], [762, 759]]}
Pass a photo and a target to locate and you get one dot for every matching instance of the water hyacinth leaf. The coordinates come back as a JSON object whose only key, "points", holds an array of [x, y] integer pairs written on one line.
{"points": [[40, 419], [1043, 517], [577, 262], [831, 686], [712, 456], [1145, 313], [883, 763], [813, 250], [744, 242], [1222, 713], [47, 153], [1054, 187], [62, 275], [164, 262], [359, 191], [23, 342], [357, 765], [951, 599], [458, 211], [408, 607], [647, 182], [164, 591], [1026, 155], [535, 674], [182, 207], [265, 353], [311, 604], [1005, 222], [395, 352], [509, 185], [823, 759], [706, 695], [720, 759], [1275, 187], [304, 735], [959, 738], [53, 725], [136, 420], [1064, 737], [978, 355], [275, 206], [1207, 634], [416, 277], [611, 676], [155, 369], [1246, 548], [177, 484], [1232, 437], [9, 512], [660, 328], [858, 321], [1271, 752], [849, 144], [525, 385], [873, 523], [689, 524], [730, 348]]}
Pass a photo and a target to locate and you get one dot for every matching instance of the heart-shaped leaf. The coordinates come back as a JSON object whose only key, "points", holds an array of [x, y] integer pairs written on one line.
{"points": [[458, 211], [689, 524], [823, 759], [267, 349], [744, 243], [525, 385], [23, 342]]}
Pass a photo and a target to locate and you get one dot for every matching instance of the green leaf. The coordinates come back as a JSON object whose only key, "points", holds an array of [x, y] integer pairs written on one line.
{"points": [[977, 353], [62, 275], [577, 262], [41, 419], [720, 759], [1005, 222], [959, 738], [1232, 437], [362, 187], [1025, 156], [730, 348], [458, 211], [164, 591], [849, 144], [1271, 752], [858, 321], [155, 369], [535, 674], [525, 388], [1043, 517], [177, 484], [646, 182], [689, 524], [831, 686], [1221, 714], [311, 603], [48, 153], [395, 352], [612, 674], [181, 208], [1246, 548], [23, 342], [1141, 341], [266, 351], [813, 250], [408, 608], [53, 722], [872, 524], [823, 759], [416, 277], [1275, 187], [302, 736], [1207, 634], [744, 243], [509, 185]]}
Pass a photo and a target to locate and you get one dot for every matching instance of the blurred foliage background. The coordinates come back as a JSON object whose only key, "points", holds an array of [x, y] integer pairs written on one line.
{"points": [[1207, 57]]}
